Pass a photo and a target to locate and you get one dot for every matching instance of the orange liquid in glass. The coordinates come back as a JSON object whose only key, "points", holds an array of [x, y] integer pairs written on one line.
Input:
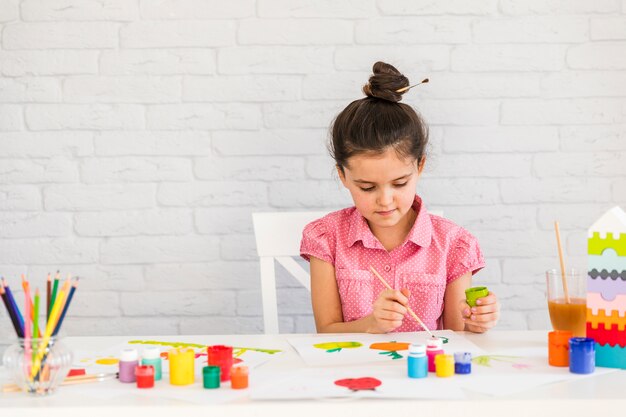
{"points": [[572, 316]]}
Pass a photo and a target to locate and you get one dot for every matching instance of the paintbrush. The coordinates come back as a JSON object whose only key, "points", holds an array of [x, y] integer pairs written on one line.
{"points": [[70, 380], [403, 89], [421, 323]]}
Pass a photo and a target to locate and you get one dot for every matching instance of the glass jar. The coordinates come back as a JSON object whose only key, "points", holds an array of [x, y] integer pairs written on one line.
{"points": [[37, 366]]}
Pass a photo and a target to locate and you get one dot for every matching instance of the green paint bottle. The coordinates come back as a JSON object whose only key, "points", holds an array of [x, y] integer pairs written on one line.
{"points": [[152, 356], [211, 377], [474, 293]]}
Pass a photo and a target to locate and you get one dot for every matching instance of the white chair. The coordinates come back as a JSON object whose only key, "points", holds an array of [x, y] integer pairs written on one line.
{"points": [[278, 236]]}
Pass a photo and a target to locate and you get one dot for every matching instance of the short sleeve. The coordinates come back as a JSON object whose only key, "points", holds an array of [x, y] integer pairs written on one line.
{"points": [[464, 256], [317, 242]]}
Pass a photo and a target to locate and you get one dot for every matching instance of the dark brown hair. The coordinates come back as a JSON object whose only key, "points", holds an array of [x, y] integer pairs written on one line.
{"points": [[379, 121]]}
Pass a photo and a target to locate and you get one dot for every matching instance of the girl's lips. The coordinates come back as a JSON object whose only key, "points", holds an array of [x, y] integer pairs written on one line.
{"points": [[385, 213]]}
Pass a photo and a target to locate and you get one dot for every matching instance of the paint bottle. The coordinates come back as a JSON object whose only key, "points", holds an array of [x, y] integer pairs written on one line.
{"points": [[434, 347], [211, 377], [182, 366], [444, 365], [462, 363], [222, 356], [152, 356], [145, 376], [558, 347], [582, 355], [417, 364], [474, 293], [239, 377], [129, 359]]}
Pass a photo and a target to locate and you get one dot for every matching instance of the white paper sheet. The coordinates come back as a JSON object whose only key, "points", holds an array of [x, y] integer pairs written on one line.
{"points": [[355, 348]]}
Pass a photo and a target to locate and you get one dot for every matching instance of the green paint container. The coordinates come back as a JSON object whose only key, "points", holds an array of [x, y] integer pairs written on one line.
{"points": [[474, 293], [152, 356], [211, 377]]}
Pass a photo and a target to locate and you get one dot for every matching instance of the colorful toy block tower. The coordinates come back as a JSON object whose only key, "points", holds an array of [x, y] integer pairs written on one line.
{"points": [[606, 288]]}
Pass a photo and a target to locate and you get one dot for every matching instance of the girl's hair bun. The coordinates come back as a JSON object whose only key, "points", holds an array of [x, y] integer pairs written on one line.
{"points": [[385, 82]]}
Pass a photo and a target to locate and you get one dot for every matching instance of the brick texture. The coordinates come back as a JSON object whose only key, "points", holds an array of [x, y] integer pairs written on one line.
{"points": [[137, 137]]}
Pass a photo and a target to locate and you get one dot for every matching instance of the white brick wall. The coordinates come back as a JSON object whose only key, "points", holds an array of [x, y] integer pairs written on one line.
{"points": [[138, 136]]}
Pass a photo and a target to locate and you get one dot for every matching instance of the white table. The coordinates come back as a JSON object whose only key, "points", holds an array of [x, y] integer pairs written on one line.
{"points": [[591, 396]]}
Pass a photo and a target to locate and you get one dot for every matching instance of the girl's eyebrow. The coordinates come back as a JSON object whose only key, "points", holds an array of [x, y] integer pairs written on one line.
{"points": [[371, 182]]}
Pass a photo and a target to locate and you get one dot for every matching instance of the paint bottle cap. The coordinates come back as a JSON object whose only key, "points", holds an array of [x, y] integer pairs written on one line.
{"points": [[474, 293], [442, 358], [560, 337], [129, 355], [151, 352], [417, 349], [144, 370], [435, 343], [239, 370], [582, 344], [462, 357]]}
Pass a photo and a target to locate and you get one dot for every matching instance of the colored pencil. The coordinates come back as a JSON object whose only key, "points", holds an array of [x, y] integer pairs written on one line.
{"points": [[55, 288], [66, 306], [28, 301], [50, 325], [9, 306], [48, 291], [36, 314], [28, 353], [16, 309], [419, 321]]}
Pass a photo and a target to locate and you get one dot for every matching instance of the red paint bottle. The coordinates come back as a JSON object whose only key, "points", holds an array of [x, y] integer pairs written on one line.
{"points": [[145, 376], [434, 347], [222, 356]]}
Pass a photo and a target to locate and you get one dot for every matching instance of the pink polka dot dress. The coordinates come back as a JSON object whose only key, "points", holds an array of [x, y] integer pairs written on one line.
{"points": [[435, 252]]}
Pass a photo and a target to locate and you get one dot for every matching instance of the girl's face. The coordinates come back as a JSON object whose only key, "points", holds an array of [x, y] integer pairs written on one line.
{"points": [[382, 186]]}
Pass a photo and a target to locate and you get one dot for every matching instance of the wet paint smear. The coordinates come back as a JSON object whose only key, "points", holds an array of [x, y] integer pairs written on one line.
{"points": [[485, 360], [359, 384], [237, 351], [331, 347], [390, 348], [107, 361]]}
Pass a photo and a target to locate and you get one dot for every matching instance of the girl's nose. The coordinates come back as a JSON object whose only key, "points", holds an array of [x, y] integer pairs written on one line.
{"points": [[385, 197]]}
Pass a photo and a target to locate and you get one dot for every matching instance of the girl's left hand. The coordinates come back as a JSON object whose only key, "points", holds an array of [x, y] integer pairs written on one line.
{"points": [[484, 316]]}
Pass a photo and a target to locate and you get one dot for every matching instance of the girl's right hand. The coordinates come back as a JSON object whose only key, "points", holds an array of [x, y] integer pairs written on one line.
{"points": [[389, 310]]}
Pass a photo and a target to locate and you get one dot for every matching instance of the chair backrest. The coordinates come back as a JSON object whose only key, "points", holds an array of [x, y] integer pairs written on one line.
{"points": [[278, 236]]}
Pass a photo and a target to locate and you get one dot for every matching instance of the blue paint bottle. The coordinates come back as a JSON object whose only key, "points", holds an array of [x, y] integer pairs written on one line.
{"points": [[582, 355], [417, 362], [462, 363]]}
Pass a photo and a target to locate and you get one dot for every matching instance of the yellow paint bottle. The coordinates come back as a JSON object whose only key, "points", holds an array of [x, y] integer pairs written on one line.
{"points": [[182, 366], [444, 365]]}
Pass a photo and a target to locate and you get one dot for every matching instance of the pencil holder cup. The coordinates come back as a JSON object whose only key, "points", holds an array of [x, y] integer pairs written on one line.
{"points": [[38, 366]]}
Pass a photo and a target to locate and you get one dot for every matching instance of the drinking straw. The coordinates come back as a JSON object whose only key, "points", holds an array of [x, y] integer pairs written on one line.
{"points": [[421, 323], [54, 292], [65, 308], [563, 279]]}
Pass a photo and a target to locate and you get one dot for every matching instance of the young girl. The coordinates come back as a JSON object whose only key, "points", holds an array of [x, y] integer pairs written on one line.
{"points": [[378, 145]]}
